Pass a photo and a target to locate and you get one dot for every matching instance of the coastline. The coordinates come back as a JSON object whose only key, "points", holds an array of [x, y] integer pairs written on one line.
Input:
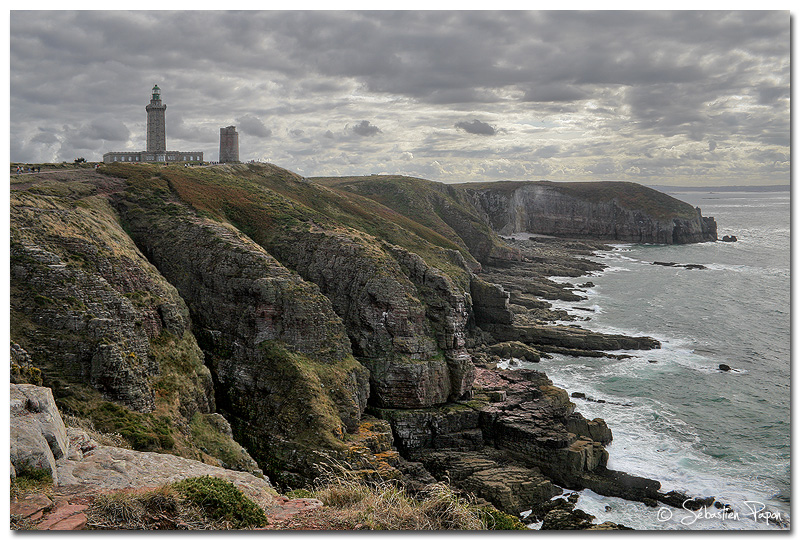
{"points": [[577, 379]]}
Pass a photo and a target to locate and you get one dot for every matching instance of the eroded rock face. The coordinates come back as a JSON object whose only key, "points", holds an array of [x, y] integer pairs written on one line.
{"points": [[279, 354], [87, 305], [401, 314], [38, 435], [368, 290], [448, 310], [490, 303], [546, 208]]}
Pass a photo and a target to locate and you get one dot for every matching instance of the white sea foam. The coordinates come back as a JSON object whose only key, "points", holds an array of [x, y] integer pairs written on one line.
{"points": [[650, 441]]}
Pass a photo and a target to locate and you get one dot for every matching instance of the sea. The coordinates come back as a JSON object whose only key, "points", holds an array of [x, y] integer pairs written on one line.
{"points": [[675, 416]]}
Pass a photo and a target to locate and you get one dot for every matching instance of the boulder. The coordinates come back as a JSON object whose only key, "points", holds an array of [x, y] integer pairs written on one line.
{"points": [[515, 349], [37, 433], [111, 468], [485, 473], [564, 519], [489, 303]]}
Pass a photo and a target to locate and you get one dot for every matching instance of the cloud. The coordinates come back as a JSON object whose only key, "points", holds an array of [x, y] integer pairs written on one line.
{"points": [[712, 145], [45, 137], [572, 89], [555, 93], [365, 129], [476, 127], [252, 125], [109, 129]]}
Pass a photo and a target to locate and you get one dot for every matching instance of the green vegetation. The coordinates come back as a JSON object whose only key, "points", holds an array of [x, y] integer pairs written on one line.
{"points": [[145, 432], [206, 435], [203, 503], [30, 479], [222, 501], [270, 204], [53, 166], [628, 195], [496, 520], [430, 206], [308, 383]]}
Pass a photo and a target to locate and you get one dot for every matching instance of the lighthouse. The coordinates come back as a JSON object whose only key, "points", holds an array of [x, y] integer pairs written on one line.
{"points": [[156, 140], [156, 126]]}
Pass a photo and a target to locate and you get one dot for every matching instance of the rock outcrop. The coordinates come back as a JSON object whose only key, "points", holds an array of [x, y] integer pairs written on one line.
{"points": [[38, 435], [96, 322], [279, 354], [619, 211], [326, 324]]}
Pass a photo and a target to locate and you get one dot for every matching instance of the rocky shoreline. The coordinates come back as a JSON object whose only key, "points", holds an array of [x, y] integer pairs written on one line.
{"points": [[247, 318], [519, 441]]}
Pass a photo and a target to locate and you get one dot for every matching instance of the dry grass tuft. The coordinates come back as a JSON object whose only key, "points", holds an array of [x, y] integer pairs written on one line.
{"points": [[386, 506], [161, 508]]}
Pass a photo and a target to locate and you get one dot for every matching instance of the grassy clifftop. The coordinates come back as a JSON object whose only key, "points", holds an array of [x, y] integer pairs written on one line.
{"points": [[627, 195], [433, 205]]}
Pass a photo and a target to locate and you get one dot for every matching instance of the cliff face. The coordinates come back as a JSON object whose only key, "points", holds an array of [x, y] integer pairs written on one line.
{"points": [[439, 207], [626, 212], [150, 296], [108, 333], [280, 356], [392, 308]]}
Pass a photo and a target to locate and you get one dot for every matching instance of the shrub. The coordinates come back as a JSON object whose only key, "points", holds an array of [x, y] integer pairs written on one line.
{"points": [[500, 521], [144, 432], [29, 479], [222, 501]]}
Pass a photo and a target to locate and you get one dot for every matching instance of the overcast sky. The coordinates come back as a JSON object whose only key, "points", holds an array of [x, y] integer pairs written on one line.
{"points": [[653, 97]]}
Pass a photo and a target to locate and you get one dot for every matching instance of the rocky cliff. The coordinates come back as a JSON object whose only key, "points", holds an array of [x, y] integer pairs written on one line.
{"points": [[334, 322], [280, 356], [619, 211]]}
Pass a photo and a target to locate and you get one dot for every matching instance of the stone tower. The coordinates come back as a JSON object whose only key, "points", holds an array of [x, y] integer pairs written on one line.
{"points": [[228, 145], [156, 124]]}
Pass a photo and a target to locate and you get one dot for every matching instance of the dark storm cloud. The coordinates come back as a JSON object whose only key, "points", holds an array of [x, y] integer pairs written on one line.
{"points": [[44, 137], [109, 129], [251, 125], [555, 92], [365, 129], [476, 127], [618, 81]]}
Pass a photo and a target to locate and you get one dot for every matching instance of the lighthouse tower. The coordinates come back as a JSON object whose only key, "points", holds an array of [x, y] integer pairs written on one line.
{"points": [[157, 140], [156, 126]]}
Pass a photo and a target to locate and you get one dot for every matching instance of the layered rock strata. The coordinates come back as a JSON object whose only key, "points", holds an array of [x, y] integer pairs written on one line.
{"points": [[281, 295], [87, 307], [280, 356], [623, 212]]}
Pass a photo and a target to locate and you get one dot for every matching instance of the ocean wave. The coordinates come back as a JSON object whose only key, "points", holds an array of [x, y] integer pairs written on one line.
{"points": [[650, 439]]}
